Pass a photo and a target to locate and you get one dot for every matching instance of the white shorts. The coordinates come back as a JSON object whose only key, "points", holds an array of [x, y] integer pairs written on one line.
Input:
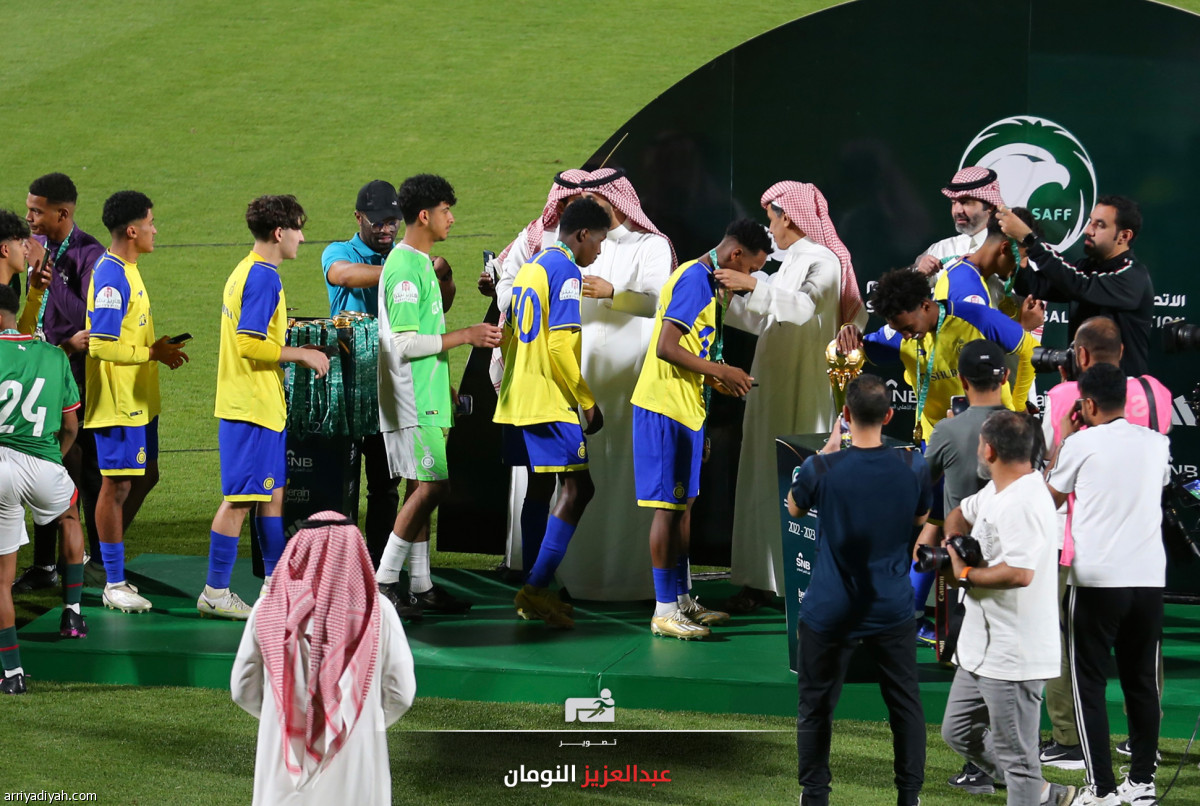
{"points": [[27, 481]]}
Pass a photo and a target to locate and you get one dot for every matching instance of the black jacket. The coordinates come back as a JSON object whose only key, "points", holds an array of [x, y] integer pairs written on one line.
{"points": [[1119, 287]]}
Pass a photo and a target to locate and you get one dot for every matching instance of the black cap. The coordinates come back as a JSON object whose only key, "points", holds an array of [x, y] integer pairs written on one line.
{"points": [[378, 201], [982, 362]]}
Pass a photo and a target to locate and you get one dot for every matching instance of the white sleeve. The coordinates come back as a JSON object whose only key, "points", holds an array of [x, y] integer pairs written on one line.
{"points": [[783, 301], [640, 296], [1048, 424], [411, 345], [518, 256], [1070, 459], [971, 504], [397, 681], [246, 680]]}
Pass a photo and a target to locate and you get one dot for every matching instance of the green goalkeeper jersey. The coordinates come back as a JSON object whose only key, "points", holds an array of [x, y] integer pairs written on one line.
{"points": [[36, 389]]}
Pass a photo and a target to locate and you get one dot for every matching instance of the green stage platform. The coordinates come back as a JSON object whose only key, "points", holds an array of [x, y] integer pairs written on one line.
{"points": [[492, 655]]}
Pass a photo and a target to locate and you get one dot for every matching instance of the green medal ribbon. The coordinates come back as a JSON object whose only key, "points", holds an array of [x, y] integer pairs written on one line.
{"points": [[923, 383], [566, 249], [717, 351]]}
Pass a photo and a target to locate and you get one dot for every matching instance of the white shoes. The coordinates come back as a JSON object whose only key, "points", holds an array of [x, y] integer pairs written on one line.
{"points": [[1136, 794], [124, 597], [222, 603], [1088, 797]]}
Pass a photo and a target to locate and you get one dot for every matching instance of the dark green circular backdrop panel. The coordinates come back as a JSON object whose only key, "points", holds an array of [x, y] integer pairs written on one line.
{"points": [[878, 103]]}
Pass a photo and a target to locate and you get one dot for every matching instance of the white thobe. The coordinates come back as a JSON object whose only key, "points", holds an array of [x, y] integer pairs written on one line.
{"points": [[609, 556], [360, 771], [959, 246], [796, 314]]}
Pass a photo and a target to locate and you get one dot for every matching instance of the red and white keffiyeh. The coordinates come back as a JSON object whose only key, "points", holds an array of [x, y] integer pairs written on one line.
{"points": [[806, 206], [323, 594], [608, 183], [975, 183]]}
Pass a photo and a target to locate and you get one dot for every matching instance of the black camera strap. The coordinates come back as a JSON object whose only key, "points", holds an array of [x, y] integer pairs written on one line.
{"points": [[1149, 390]]}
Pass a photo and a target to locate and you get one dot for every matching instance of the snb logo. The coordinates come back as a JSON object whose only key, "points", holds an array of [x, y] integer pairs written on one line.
{"points": [[1041, 166]]}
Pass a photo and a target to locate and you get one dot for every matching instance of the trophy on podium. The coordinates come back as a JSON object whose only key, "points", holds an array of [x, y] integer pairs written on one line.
{"points": [[843, 368]]}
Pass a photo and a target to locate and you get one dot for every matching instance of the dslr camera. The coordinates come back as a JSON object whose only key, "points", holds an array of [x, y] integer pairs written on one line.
{"points": [[1049, 359], [1178, 337], [936, 558]]}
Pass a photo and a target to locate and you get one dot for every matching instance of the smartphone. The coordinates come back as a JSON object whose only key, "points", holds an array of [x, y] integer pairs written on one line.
{"points": [[182, 338], [488, 257], [959, 404]]}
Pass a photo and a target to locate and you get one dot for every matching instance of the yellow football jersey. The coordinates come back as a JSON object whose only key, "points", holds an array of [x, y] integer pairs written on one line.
{"points": [[118, 309], [254, 305], [545, 298], [688, 299]]}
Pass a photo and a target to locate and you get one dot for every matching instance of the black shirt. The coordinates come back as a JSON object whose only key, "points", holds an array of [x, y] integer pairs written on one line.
{"points": [[1119, 287]]}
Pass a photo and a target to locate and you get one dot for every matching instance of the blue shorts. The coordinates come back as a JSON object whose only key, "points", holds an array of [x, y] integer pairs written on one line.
{"points": [[546, 447], [253, 460], [124, 450], [666, 460]]}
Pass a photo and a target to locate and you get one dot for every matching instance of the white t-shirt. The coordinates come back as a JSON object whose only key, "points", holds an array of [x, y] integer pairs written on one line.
{"points": [[1117, 472], [1013, 634]]}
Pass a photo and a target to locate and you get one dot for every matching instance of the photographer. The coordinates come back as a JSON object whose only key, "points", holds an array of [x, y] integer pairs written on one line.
{"points": [[1098, 341], [1115, 595], [859, 590], [1007, 649], [1110, 280]]}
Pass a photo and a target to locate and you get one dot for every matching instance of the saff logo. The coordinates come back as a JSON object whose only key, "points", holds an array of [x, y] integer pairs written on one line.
{"points": [[1041, 166]]}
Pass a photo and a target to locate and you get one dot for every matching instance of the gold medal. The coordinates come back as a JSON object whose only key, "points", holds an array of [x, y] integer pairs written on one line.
{"points": [[917, 431]]}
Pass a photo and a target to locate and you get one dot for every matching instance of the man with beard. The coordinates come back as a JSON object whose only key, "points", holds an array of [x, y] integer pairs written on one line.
{"points": [[1109, 281], [974, 195]]}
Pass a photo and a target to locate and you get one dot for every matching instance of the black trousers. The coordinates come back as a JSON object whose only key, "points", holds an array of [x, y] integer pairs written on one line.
{"points": [[383, 496], [84, 469], [1128, 623], [822, 660]]}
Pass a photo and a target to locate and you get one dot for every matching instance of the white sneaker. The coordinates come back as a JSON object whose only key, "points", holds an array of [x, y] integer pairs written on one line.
{"points": [[222, 603], [1088, 797], [1136, 794], [266, 586], [124, 597], [677, 625]]}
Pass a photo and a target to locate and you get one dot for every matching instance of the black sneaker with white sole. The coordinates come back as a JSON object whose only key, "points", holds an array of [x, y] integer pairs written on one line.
{"points": [[1063, 756], [1124, 749], [974, 781]]}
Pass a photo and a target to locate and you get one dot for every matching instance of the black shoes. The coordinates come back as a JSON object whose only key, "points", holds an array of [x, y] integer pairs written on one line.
{"points": [[406, 606], [13, 685], [438, 599], [35, 578], [974, 780], [72, 625]]}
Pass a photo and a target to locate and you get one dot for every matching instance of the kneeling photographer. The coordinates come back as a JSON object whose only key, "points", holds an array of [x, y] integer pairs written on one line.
{"points": [[1007, 648]]}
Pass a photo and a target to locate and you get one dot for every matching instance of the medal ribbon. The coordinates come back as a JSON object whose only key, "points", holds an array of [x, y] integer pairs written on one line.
{"points": [[923, 383]]}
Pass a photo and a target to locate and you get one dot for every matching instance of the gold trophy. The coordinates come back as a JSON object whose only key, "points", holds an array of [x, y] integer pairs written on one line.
{"points": [[843, 368]]}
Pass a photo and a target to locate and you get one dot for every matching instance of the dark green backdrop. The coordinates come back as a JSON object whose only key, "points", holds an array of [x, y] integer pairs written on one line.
{"points": [[876, 102]]}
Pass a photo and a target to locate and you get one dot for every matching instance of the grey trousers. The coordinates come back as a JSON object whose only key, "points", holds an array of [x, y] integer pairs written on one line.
{"points": [[994, 724]]}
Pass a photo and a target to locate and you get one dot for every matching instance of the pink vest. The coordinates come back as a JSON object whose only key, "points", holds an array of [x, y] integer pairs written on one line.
{"points": [[1137, 411]]}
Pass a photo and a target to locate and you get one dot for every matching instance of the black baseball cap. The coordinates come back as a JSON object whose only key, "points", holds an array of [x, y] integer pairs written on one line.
{"points": [[982, 362], [378, 201]]}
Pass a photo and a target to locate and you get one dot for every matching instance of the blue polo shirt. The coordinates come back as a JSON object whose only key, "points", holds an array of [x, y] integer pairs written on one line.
{"points": [[865, 500], [363, 300]]}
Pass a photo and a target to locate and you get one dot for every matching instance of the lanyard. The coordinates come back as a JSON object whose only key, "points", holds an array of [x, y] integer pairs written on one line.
{"points": [[1012, 278], [923, 383], [717, 352], [566, 249], [62, 248]]}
